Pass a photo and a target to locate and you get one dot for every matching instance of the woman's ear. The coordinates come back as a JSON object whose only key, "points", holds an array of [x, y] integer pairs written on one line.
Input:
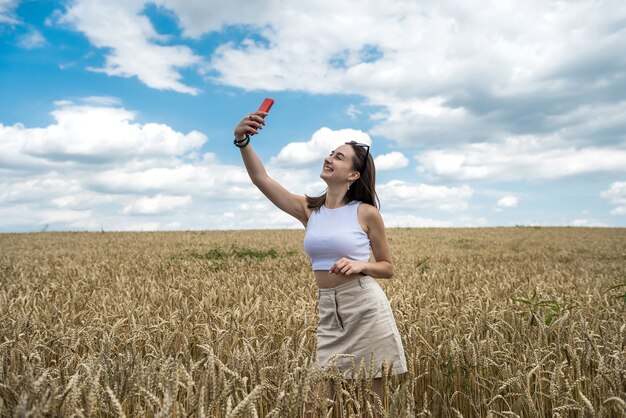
{"points": [[354, 176]]}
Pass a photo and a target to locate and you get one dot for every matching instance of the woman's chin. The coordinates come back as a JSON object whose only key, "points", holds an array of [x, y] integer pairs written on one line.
{"points": [[325, 178]]}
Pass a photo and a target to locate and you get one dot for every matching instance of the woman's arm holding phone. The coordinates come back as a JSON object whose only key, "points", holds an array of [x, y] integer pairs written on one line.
{"points": [[288, 202]]}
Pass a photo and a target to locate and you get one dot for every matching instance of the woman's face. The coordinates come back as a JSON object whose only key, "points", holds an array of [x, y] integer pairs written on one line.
{"points": [[338, 166]]}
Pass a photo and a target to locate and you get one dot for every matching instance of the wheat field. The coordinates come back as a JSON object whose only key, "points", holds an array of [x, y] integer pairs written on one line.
{"points": [[496, 322]]}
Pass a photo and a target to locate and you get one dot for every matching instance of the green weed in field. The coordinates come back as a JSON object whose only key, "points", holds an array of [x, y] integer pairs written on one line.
{"points": [[548, 309]]}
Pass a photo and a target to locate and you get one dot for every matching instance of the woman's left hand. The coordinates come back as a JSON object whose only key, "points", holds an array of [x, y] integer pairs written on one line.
{"points": [[347, 266]]}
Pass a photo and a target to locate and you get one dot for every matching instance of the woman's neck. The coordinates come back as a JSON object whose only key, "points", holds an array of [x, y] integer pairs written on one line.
{"points": [[335, 198]]}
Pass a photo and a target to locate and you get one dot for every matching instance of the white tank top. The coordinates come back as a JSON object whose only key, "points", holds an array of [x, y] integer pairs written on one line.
{"points": [[335, 233]]}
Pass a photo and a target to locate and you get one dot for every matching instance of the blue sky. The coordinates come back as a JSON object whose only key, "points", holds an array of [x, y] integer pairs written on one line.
{"points": [[118, 115]]}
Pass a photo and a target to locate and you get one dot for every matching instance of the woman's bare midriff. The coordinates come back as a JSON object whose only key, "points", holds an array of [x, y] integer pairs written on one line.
{"points": [[326, 280]]}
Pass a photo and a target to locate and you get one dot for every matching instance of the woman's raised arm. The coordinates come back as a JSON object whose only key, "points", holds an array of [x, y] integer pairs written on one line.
{"points": [[286, 201]]}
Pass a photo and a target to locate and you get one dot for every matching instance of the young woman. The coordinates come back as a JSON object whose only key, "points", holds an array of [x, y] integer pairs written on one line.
{"points": [[342, 225]]}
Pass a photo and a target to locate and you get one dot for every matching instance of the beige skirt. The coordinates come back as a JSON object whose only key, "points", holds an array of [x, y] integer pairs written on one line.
{"points": [[356, 327]]}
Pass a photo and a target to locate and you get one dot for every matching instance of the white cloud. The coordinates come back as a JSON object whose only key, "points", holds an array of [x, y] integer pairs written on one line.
{"points": [[7, 8], [587, 223], [268, 218], [508, 202], [403, 220], [616, 194], [411, 122], [324, 140], [199, 18], [214, 181], [85, 134], [390, 161], [412, 221], [353, 112], [95, 100], [32, 39], [411, 196], [30, 217], [157, 204], [523, 157], [119, 25], [600, 123]]}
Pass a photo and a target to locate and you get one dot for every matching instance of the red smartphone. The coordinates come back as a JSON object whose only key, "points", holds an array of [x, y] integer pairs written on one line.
{"points": [[266, 105]]}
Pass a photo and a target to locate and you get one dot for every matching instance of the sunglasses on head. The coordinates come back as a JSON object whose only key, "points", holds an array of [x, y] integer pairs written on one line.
{"points": [[367, 151]]}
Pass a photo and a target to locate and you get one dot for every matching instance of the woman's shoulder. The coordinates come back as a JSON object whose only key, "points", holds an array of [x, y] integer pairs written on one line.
{"points": [[364, 206], [368, 216], [367, 211]]}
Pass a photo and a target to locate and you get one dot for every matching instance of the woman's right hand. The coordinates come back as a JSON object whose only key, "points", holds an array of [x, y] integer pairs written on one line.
{"points": [[250, 124]]}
